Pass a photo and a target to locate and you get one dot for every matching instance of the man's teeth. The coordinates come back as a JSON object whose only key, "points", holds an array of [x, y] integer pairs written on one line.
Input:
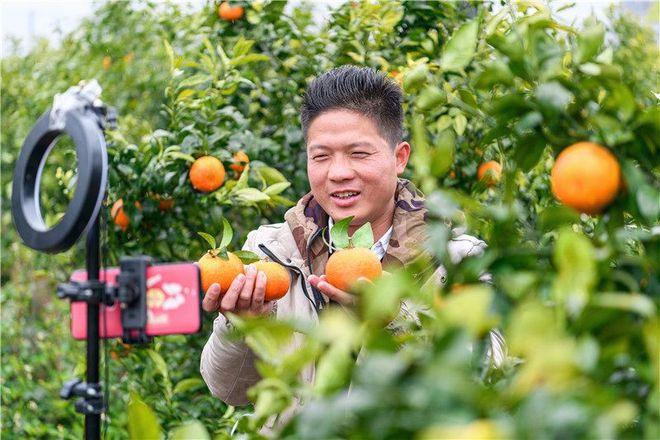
{"points": [[345, 195]]}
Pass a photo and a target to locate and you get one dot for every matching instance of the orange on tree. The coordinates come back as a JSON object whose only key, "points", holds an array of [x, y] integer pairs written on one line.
{"points": [[107, 62], [240, 160], [278, 279], [165, 204], [229, 12], [346, 266], [214, 268], [490, 172], [586, 176], [207, 174], [119, 216]]}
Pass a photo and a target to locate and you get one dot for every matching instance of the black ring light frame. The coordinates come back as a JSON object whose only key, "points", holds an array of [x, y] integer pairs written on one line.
{"points": [[84, 128]]}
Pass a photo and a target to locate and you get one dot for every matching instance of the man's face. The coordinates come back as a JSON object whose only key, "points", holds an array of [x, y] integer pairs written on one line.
{"points": [[352, 170]]}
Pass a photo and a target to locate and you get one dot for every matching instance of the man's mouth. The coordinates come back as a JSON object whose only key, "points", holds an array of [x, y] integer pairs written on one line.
{"points": [[345, 198]]}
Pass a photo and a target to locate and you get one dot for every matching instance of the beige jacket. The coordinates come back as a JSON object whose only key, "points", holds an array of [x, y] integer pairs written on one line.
{"points": [[228, 366]]}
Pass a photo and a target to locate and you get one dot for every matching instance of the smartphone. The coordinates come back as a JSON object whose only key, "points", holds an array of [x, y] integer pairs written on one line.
{"points": [[174, 302]]}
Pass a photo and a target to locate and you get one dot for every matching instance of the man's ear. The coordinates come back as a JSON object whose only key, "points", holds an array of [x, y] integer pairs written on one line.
{"points": [[402, 154]]}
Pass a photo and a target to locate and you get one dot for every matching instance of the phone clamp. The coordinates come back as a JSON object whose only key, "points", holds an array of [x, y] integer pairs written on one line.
{"points": [[131, 292], [91, 396]]}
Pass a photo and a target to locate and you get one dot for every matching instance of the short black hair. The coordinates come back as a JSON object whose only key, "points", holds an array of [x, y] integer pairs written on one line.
{"points": [[360, 89]]}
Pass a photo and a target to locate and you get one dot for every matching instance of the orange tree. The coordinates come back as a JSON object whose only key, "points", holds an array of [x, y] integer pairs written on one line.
{"points": [[575, 295]]}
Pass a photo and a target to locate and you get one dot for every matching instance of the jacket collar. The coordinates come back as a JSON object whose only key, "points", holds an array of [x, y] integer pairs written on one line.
{"points": [[408, 232]]}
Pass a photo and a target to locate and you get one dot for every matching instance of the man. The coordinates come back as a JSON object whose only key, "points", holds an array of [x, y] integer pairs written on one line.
{"points": [[352, 121]]}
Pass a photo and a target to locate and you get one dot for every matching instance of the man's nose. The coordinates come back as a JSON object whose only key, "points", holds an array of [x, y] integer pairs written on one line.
{"points": [[341, 169]]}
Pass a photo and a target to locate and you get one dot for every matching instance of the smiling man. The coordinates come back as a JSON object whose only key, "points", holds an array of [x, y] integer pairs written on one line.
{"points": [[352, 120]]}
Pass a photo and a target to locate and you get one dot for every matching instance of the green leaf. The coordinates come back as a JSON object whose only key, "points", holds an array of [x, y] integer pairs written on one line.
{"points": [[158, 360], [415, 77], [555, 216], [142, 421], [193, 429], [477, 299], [180, 155], [170, 53], [187, 384], [247, 257], [460, 48], [363, 237], [553, 97], [271, 175], [252, 195], [209, 239], [431, 97], [227, 234], [632, 302], [529, 150], [249, 58], [194, 80], [242, 47], [333, 369], [590, 41], [243, 180], [574, 258], [442, 156], [339, 233], [460, 124], [277, 188]]}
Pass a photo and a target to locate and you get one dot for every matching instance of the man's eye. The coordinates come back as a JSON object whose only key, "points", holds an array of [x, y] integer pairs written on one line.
{"points": [[359, 154], [320, 157]]}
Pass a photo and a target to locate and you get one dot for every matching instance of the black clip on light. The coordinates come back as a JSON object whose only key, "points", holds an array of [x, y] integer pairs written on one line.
{"points": [[82, 115]]}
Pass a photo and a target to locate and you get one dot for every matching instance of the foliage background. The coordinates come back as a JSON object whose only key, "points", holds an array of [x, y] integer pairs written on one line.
{"points": [[512, 85]]}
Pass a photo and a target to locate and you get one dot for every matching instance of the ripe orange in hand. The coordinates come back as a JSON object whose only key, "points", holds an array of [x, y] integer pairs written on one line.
{"points": [[215, 269], [586, 176], [230, 13], [494, 176], [207, 174], [278, 279], [346, 266], [240, 160]]}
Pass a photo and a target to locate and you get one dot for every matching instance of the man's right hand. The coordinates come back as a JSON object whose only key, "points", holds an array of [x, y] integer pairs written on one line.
{"points": [[244, 296]]}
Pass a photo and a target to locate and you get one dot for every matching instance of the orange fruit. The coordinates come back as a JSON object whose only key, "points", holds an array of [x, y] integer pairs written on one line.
{"points": [[128, 58], [230, 13], [107, 62], [165, 204], [207, 174], [215, 269], [586, 176], [119, 215], [278, 279], [240, 160], [494, 176], [346, 266]]}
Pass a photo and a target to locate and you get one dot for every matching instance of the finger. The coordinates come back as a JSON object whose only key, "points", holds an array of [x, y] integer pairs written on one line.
{"points": [[259, 292], [228, 303], [245, 297], [211, 300], [338, 295], [313, 280], [267, 307]]}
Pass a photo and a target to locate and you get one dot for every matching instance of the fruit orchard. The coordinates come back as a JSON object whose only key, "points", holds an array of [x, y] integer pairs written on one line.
{"points": [[538, 136]]}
